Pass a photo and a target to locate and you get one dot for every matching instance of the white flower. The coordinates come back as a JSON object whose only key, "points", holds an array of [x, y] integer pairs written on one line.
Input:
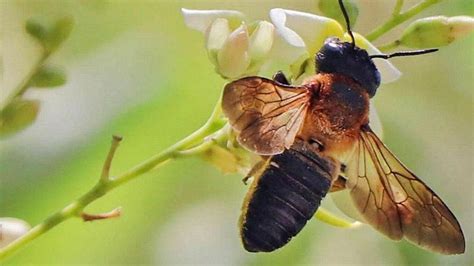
{"points": [[11, 229], [235, 48], [306, 33]]}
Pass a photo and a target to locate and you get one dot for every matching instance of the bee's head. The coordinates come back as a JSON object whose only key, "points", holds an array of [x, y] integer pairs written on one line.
{"points": [[347, 59]]}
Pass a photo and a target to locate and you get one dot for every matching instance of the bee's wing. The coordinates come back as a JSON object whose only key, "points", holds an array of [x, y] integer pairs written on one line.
{"points": [[267, 115], [393, 200]]}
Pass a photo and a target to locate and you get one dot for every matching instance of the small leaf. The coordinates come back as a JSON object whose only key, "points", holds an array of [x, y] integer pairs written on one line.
{"points": [[18, 115], [436, 31], [59, 32], [47, 77], [36, 29], [331, 8], [50, 35]]}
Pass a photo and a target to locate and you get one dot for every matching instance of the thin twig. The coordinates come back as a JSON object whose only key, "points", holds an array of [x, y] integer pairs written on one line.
{"points": [[87, 217], [110, 156], [399, 18]]}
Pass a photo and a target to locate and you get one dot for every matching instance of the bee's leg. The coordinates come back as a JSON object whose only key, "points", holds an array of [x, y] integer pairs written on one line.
{"points": [[281, 78], [256, 169], [340, 182]]}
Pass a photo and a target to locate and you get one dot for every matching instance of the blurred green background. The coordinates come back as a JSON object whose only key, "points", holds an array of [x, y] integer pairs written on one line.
{"points": [[134, 69]]}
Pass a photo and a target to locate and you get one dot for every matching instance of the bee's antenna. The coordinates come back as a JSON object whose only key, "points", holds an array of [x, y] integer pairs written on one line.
{"points": [[405, 53], [348, 23]]}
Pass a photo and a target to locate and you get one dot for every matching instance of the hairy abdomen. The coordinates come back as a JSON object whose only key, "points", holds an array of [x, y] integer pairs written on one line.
{"points": [[284, 197]]}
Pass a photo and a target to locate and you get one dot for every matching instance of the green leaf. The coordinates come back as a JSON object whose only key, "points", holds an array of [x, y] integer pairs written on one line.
{"points": [[48, 77], [50, 35], [18, 115], [37, 29], [59, 32], [331, 8]]}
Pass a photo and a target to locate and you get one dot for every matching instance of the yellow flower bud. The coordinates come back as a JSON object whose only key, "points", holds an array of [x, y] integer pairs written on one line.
{"points": [[436, 31]]}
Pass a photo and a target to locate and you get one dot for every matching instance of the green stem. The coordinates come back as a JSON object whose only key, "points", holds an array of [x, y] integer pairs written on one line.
{"points": [[398, 18], [105, 185], [398, 8], [25, 83]]}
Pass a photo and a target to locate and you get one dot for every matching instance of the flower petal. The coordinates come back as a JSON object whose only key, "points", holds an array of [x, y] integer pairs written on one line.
{"points": [[388, 71], [216, 35], [233, 58], [201, 19], [304, 29], [261, 41], [375, 123]]}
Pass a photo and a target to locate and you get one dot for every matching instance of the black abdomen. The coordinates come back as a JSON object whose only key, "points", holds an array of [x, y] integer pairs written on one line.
{"points": [[283, 197]]}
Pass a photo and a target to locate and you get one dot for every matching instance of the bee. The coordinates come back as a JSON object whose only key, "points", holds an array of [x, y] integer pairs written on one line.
{"points": [[315, 138]]}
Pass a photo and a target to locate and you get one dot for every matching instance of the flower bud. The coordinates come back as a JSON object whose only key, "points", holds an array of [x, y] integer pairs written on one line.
{"points": [[11, 229], [436, 31], [233, 59], [233, 48]]}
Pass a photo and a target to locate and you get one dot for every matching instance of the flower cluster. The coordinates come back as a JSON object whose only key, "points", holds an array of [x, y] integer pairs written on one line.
{"points": [[240, 48]]}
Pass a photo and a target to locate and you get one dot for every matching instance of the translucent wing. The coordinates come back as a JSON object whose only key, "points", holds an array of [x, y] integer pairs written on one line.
{"points": [[393, 200], [266, 114]]}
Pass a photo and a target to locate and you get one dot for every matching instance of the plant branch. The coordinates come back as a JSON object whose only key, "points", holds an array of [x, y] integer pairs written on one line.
{"points": [[75, 208], [23, 86], [398, 18]]}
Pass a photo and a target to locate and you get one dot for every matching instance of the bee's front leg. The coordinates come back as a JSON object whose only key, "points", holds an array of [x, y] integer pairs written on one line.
{"points": [[281, 78]]}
